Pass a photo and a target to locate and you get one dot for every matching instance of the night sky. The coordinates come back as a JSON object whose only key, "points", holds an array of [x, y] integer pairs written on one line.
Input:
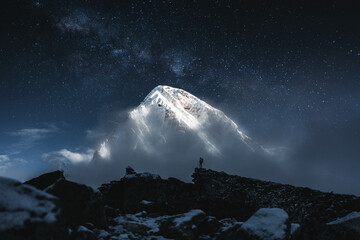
{"points": [[288, 72]]}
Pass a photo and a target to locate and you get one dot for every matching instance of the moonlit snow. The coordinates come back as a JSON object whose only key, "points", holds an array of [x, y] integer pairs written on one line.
{"points": [[20, 204], [167, 134], [267, 223]]}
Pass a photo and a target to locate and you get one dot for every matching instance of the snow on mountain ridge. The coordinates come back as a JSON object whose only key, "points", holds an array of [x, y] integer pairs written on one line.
{"points": [[191, 112], [176, 101], [171, 118], [176, 105]]}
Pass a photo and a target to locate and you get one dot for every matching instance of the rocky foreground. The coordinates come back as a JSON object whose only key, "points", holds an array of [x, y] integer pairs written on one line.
{"points": [[144, 206]]}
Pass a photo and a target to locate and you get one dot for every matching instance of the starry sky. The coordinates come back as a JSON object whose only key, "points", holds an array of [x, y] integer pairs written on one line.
{"points": [[288, 72]]}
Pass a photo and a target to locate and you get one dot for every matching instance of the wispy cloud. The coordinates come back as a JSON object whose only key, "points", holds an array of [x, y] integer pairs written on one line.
{"points": [[7, 161], [65, 155], [4, 158], [28, 137], [32, 133]]}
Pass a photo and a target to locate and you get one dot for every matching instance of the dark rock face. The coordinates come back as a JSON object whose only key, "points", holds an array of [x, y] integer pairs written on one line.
{"points": [[183, 226], [46, 180], [168, 196], [144, 206], [243, 196], [223, 196], [79, 203], [226, 196]]}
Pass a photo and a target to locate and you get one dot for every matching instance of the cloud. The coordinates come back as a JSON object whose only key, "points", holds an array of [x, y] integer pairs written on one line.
{"points": [[148, 143], [316, 160], [29, 137], [7, 161], [4, 158], [32, 133], [65, 155], [94, 135]]}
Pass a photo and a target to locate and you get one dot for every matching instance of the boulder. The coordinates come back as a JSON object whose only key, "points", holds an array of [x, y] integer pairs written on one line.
{"points": [[137, 192], [347, 227], [28, 213], [267, 224], [83, 233], [46, 180], [183, 226], [225, 196], [79, 203]]}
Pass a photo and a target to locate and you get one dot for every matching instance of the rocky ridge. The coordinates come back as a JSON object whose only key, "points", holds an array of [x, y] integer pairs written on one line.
{"points": [[145, 206]]}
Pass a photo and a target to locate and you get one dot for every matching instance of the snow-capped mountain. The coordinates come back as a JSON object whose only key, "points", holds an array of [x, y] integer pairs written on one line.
{"points": [[187, 113], [171, 129]]}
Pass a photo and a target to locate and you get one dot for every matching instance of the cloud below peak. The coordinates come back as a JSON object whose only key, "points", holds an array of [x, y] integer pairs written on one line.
{"points": [[65, 155]]}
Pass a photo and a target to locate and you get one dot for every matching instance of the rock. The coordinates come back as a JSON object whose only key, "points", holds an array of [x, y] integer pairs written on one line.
{"points": [[101, 234], [148, 192], [227, 200], [89, 226], [267, 224], [129, 170], [79, 203], [230, 233], [137, 228], [347, 227], [82, 233], [46, 180], [294, 230], [28, 213], [209, 226], [111, 212], [139, 224], [183, 226], [225, 196]]}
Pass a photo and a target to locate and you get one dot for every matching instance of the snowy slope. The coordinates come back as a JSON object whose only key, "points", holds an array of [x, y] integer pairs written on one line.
{"points": [[170, 130], [21, 204], [189, 114]]}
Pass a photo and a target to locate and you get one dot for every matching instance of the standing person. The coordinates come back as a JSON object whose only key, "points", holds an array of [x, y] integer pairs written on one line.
{"points": [[201, 161]]}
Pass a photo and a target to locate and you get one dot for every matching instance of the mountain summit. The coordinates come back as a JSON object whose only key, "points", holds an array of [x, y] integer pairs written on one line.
{"points": [[188, 113], [171, 129]]}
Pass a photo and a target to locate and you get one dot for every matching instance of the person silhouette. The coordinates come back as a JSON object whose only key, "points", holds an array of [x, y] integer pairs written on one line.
{"points": [[201, 161]]}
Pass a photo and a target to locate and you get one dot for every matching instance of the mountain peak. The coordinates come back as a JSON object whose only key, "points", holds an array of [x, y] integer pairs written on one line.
{"points": [[178, 103], [162, 94], [189, 113]]}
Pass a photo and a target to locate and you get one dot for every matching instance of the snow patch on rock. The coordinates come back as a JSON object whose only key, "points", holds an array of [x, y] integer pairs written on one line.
{"points": [[21, 203], [187, 217], [267, 223], [348, 217]]}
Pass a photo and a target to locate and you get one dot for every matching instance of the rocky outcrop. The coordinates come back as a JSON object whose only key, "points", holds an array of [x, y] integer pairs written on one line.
{"points": [[227, 196], [79, 203], [242, 196], [145, 206], [182, 226], [267, 224], [27, 213], [347, 227], [224, 196], [148, 192], [46, 180]]}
